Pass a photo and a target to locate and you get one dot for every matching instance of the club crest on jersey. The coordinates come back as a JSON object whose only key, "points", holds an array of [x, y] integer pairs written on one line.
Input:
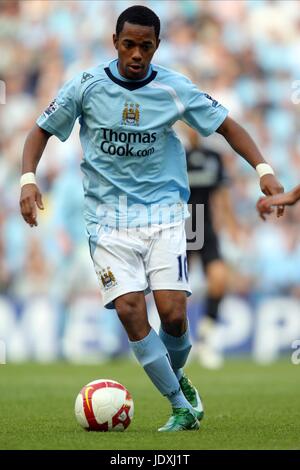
{"points": [[107, 278], [131, 114]]}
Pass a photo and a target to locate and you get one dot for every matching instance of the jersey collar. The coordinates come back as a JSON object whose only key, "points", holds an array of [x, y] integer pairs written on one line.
{"points": [[113, 73]]}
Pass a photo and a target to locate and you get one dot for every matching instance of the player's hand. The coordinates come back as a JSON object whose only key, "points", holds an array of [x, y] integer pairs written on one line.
{"points": [[264, 204], [264, 207], [271, 186], [30, 199]]}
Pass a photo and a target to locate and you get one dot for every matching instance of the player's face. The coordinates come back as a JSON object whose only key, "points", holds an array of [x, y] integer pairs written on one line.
{"points": [[136, 46]]}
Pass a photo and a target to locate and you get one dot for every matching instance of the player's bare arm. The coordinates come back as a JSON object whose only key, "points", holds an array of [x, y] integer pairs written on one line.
{"points": [[31, 197], [243, 144], [264, 204]]}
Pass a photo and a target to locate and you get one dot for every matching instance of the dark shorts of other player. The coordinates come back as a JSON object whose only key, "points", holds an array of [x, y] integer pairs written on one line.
{"points": [[210, 251]]}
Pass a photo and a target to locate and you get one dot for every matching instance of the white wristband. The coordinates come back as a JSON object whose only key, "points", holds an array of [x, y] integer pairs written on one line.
{"points": [[27, 178], [264, 169]]}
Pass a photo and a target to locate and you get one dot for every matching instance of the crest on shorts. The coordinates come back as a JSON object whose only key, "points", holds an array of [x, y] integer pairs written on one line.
{"points": [[131, 114], [107, 278]]}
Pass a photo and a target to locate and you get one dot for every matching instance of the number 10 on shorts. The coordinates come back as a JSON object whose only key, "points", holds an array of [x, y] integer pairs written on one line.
{"points": [[182, 268]]}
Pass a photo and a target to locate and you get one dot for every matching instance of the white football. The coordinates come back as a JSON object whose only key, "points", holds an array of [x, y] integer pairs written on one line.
{"points": [[104, 405]]}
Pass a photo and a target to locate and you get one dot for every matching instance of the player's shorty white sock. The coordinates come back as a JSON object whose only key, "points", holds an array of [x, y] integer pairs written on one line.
{"points": [[178, 349], [153, 356]]}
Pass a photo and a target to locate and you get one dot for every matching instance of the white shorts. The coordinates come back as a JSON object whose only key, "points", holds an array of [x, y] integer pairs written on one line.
{"points": [[141, 259]]}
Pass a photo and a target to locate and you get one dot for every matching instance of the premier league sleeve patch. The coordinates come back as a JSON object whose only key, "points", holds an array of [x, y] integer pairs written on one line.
{"points": [[214, 102], [53, 106]]}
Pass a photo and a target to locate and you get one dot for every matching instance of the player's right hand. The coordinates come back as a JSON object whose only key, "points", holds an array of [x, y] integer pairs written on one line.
{"points": [[30, 198]]}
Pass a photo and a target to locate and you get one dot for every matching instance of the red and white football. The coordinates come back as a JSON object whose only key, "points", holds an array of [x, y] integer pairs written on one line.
{"points": [[104, 405]]}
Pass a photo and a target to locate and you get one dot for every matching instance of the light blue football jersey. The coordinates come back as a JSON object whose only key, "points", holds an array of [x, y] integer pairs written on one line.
{"points": [[134, 165]]}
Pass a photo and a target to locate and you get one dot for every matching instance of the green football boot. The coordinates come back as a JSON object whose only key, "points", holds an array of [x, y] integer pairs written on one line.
{"points": [[192, 396], [182, 419]]}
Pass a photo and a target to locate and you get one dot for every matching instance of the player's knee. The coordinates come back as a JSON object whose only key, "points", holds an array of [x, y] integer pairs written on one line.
{"points": [[218, 287], [131, 316], [217, 290], [176, 327], [217, 280], [174, 321], [127, 309]]}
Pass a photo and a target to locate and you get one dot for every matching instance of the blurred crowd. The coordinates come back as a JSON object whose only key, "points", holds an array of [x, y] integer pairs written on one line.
{"points": [[244, 53]]}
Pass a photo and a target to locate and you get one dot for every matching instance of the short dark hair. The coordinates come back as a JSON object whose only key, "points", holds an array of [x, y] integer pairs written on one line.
{"points": [[140, 15]]}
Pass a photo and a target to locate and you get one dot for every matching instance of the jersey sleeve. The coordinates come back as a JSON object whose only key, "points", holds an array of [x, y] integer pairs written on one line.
{"points": [[202, 112], [60, 116]]}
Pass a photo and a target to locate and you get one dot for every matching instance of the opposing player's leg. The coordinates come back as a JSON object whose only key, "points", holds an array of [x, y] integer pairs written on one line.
{"points": [[209, 352], [174, 332], [153, 356]]}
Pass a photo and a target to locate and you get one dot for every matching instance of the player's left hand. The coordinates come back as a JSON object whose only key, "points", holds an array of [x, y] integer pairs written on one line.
{"points": [[271, 186]]}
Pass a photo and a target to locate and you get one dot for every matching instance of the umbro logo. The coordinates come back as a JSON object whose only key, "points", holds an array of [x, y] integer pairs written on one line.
{"points": [[86, 76]]}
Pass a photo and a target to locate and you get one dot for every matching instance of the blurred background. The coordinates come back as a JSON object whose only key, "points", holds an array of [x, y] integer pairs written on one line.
{"points": [[246, 55]]}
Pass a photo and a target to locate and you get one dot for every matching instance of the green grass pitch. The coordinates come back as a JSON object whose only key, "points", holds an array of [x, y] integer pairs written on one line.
{"points": [[247, 407]]}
